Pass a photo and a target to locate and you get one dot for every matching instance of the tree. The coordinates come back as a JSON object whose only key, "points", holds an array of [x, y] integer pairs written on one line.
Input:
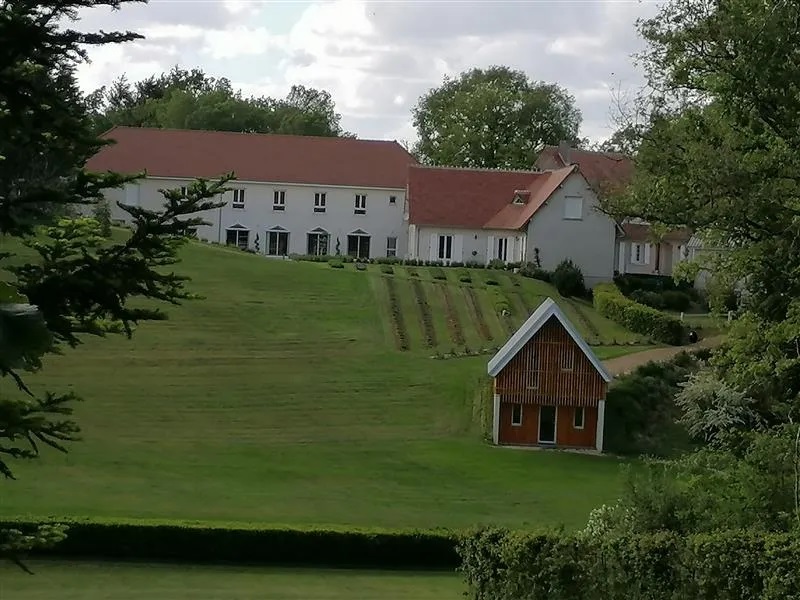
{"points": [[493, 118], [721, 155], [81, 283], [190, 99]]}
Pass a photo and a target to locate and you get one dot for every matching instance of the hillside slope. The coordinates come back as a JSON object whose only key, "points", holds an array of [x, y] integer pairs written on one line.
{"points": [[282, 398]]}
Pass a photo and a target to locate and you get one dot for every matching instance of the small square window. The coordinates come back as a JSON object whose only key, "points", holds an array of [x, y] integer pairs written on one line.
{"points": [[238, 198], [578, 417], [516, 415], [279, 200], [320, 201], [392, 199], [183, 191]]}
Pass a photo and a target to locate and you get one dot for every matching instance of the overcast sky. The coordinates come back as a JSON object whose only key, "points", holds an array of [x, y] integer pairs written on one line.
{"points": [[377, 57]]}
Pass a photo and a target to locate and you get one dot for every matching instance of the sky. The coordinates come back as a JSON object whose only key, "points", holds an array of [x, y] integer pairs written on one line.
{"points": [[377, 57]]}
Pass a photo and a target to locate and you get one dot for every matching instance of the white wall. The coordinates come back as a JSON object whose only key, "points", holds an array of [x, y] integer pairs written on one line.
{"points": [[589, 241], [469, 245], [382, 219]]}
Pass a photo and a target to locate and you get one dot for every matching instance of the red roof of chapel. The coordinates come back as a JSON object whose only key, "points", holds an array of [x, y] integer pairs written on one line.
{"points": [[185, 153], [601, 169], [477, 198]]}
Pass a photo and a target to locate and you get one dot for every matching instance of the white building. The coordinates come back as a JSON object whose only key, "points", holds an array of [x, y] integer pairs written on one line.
{"points": [[292, 194], [479, 215]]}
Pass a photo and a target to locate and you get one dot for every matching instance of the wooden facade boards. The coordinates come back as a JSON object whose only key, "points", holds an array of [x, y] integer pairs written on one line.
{"points": [[549, 388]]}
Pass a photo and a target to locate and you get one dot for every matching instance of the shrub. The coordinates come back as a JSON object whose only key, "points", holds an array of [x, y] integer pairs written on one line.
{"points": [[534, 272], [491, 281], [456, 264], [641, 413], [504, 565], [610, 303], [464, 277], [651, 299], [496, 263], [676, 300], [438, 273], [568, 279], [336, 264], [174, 541], [387, 269]]}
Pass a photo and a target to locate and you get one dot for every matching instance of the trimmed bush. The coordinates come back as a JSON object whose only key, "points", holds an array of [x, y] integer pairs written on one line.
{"points": [[464, 277], [336, 264], [676, 300], [490, 281], [610, 303], [503, 565], [568, 279], [438, 273], [387, 269], [174, 541], [534, 272], [651, 299], [496, 263]]}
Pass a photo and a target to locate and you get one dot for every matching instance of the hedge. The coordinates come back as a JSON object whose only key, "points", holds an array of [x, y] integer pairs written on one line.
{"points": [[734, 565], [610, 303], [199, 543]]}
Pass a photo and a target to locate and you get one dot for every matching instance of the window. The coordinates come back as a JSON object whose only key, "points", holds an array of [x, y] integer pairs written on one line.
{"points": [[516, 415], [502, 249], [183, 190], [238, 237], [445, 247], [573, 207], [391, 246], [358, 244], [568, 359], [578, 417], [392, 199], [277, 243], [639, 254], [279, 200], [320, 199], [238, 198], [361, 204], [318, 242]]}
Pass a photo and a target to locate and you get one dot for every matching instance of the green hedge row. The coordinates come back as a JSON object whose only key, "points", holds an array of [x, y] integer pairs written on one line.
{"points": [[500, 565], [188, 542], [610, 303]]}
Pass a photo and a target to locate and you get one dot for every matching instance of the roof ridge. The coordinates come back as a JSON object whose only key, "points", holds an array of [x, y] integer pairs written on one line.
{"points": [[251, 133], [490, 169]]}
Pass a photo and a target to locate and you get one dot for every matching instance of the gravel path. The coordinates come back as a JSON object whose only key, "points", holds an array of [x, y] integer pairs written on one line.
{"points": [[625, 364]]}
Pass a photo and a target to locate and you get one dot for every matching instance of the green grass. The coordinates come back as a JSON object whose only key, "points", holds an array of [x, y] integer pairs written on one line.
{"points": [[115, 581], [282, 399]]}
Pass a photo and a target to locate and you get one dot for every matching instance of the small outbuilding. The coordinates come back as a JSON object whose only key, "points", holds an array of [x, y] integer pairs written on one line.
{"points": [[549, 387]]}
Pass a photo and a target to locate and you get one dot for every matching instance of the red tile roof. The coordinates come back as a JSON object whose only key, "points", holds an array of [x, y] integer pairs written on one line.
{"points": [[255, 157], [601, 169], [477, 198]]}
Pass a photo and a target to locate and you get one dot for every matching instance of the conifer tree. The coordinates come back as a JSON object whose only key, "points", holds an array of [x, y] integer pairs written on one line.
{"points": [[80, 283]]}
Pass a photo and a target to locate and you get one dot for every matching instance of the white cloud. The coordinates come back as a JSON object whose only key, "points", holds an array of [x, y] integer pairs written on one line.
{"points": [[377, 57]]}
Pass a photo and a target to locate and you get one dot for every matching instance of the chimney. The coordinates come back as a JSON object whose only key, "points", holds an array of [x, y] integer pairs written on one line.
{"points": [[564, 149]]}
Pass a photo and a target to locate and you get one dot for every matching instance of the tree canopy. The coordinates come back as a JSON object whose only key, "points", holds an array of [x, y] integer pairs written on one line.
{"points": [[79, 284], [719, 151], [190, 99], [493, 118]]}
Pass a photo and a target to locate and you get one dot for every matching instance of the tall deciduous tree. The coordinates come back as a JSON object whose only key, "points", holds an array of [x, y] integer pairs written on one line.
{"points": [[493, 118], [721, 154], [190, 99], [80, 283]]}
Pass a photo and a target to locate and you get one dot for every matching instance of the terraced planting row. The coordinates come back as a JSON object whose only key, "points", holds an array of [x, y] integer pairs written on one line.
{"points": [[453, 312]]}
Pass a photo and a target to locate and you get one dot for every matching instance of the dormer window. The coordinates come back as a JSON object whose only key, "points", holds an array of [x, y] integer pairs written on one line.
{"points": [[521, 197]]}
